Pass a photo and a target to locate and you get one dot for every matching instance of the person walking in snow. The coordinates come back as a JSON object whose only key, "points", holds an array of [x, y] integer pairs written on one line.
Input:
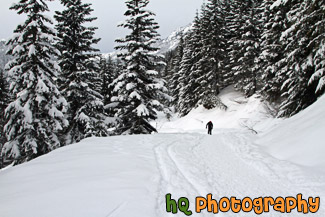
{"points": [[210, 127]]}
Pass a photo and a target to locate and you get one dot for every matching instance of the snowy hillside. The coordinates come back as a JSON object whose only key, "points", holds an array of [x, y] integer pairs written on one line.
{"points": [[299, 139], [130, 175], [168, 44], [171, 42], [112, 55]]}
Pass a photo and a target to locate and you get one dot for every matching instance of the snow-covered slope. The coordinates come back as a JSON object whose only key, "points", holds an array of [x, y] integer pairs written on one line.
{"points": [[130, 175], [299, 139], [112, 55], [171, 42]]}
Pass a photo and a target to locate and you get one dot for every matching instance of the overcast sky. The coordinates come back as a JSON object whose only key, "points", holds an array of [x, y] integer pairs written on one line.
{"points": [[171, 14]]}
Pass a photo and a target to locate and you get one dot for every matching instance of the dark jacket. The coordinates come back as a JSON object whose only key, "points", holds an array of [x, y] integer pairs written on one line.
{"points": [[209, 125]]}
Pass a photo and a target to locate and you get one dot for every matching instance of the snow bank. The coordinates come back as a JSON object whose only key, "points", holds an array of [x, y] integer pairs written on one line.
{"points": [[96, 177], [299, 139]]}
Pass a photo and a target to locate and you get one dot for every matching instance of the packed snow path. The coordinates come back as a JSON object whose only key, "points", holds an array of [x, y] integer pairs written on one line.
{"points": [[130, 176]]}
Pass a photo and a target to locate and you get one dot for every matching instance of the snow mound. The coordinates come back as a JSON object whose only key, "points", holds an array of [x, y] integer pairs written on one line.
{"points": [[96, 177], [299, 139]]}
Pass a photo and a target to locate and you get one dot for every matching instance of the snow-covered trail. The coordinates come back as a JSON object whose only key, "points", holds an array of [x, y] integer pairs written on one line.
{"points": [[227, 165], [130, 176]]}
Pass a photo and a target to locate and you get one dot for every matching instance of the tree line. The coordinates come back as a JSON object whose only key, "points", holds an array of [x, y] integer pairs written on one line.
{"points": [[272, 48]]}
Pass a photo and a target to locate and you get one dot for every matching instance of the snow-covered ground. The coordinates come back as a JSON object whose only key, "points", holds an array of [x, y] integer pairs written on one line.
{"points": [[129, 176]]}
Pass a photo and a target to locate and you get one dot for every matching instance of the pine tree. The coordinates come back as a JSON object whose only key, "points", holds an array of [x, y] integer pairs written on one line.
{"points": [[183, 76], [230, 35], [109, 71], [108, 75], [169, 59], [234, 24], [139, 88], [4, 99], [202, 67], [297, 67], [214, 46], [247, 47], [174, 84], [36, 114], [80, 71], [274, 21], [190, 70], [313, 18]]}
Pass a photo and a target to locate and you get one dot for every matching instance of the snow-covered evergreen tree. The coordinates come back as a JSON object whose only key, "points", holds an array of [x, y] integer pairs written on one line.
{"points": [[4, 99], [139, 87], [247, 46], [170, 63], [214, 46], [233, 25], [274, 23], [297, 64], [190, 70], [313, 18], [108, 75], [184, 69], [79, 80], [202, 67], [174, 84], [37, 112], [109, 71], [230, 35]]}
